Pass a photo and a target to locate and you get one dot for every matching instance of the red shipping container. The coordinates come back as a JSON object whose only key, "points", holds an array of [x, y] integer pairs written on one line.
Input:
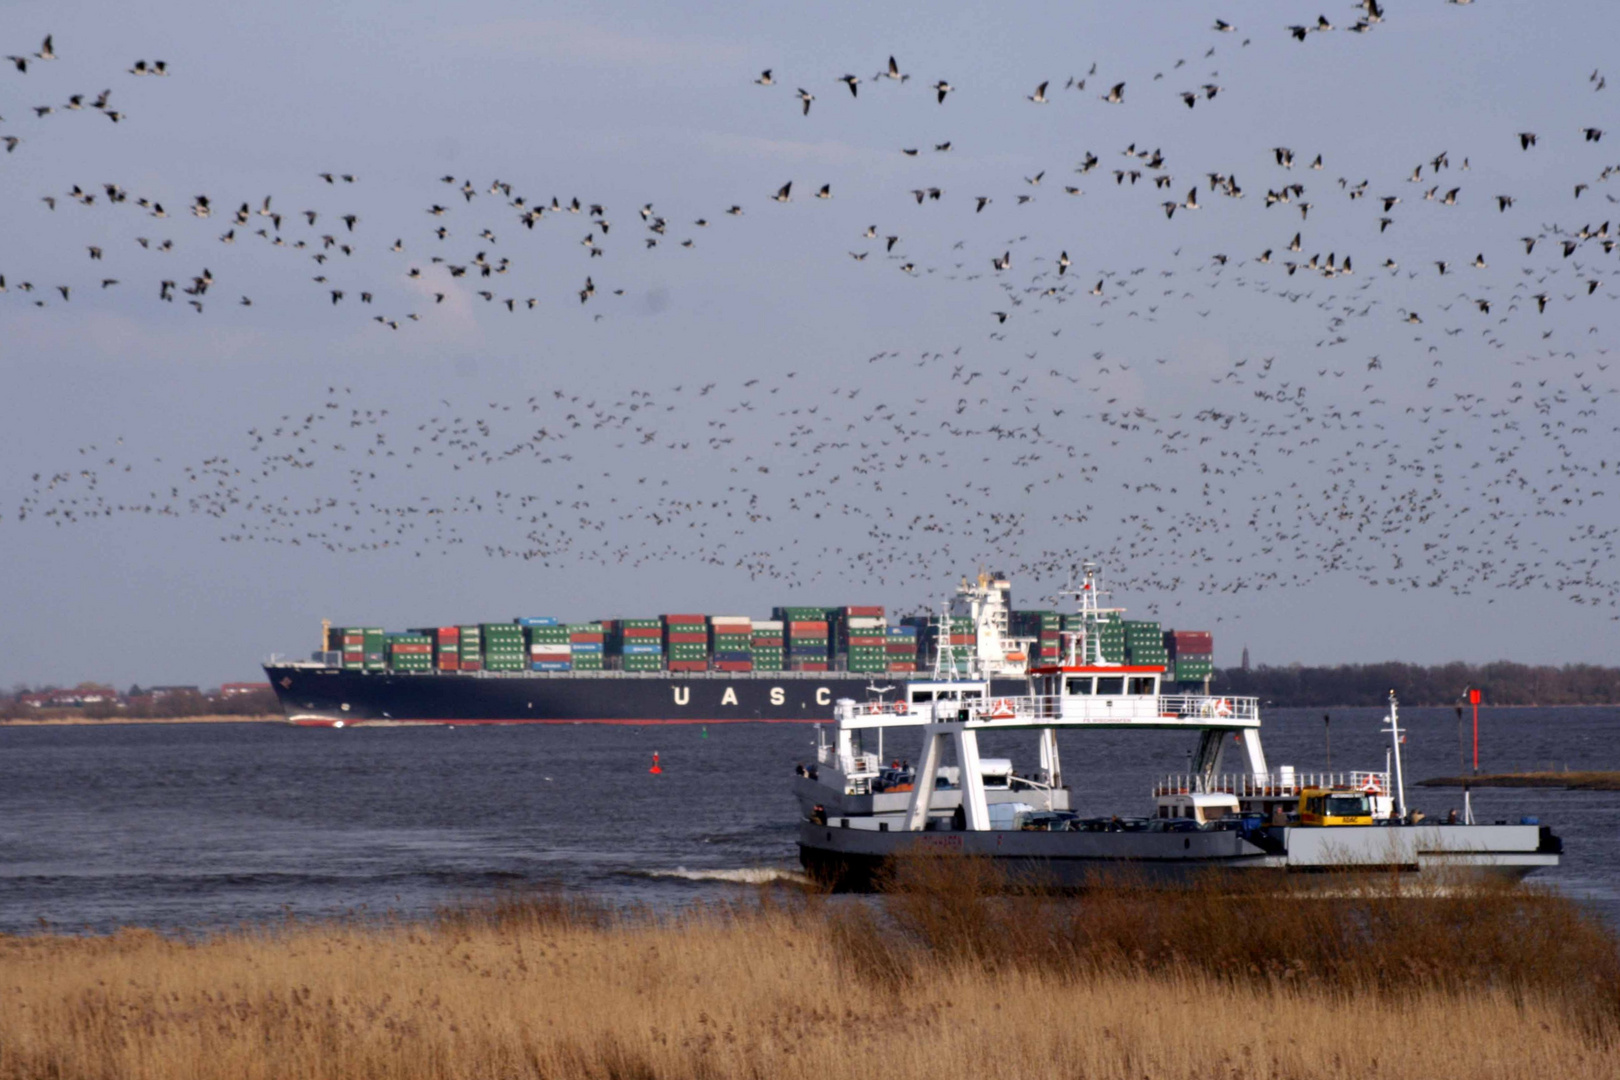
{"points": [[689, 665], [809, 665], [586, 638], [799, 628], [472, 665], [734, 665], [449, 663], [867, 639], [895, 665], [961, 639], [864, 612], [701, 620], [678, 638], [410, 650], [774, 642], [354, 657], [643, 632]]}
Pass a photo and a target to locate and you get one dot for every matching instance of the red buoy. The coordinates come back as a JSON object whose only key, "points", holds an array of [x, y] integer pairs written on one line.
{"points": [[655, 770]]}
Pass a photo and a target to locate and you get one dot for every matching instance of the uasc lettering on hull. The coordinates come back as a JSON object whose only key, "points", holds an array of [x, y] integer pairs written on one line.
{"points": [[683, 695]]}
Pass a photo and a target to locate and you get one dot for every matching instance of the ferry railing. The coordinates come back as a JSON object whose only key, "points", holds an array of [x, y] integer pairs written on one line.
{"points": [[1247, 785], [1072, 708]]}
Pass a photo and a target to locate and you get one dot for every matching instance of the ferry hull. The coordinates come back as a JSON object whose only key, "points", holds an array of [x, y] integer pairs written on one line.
{"points": [[318, 696], [851, 858]]}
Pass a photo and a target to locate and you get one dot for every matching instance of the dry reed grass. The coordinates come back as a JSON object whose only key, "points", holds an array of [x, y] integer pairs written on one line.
{"points": [[783, 987]]}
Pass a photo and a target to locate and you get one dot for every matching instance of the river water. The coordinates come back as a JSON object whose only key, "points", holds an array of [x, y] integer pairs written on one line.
{"points": [[185, 827]]}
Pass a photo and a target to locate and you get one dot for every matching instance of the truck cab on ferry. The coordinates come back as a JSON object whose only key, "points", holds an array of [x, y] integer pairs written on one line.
{"points": [[1334, 806]]}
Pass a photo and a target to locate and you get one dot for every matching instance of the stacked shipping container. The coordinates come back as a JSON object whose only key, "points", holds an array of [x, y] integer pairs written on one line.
{"points": [[410, 652], [1144, 643], [769, 645], [549, 648], [863, 638], [900, 648], [503, 647], [639, 644], [1192, 654], [808, 639], [686, 642], [731, 642]]}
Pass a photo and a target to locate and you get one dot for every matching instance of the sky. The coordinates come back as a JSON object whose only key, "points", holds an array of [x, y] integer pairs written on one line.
{"points": [[790, 410]]}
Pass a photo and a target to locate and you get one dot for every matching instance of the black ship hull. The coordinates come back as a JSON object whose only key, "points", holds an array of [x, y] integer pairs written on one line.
{"points": [[315, 695]]}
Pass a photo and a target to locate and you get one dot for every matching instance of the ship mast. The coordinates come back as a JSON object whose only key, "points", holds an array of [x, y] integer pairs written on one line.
{"points": [[1090, 643]]}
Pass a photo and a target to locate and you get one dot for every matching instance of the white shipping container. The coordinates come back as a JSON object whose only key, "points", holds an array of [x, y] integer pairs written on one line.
{"points": [[768, 624], [864, 622], [551, 650]]}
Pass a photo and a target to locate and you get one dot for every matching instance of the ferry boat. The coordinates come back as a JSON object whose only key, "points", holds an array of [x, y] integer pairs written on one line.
{"points": [[857, 813]]}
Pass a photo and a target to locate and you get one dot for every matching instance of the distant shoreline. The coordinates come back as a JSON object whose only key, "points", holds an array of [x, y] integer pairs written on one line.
{"points": [[1571, 780], [87, 721]]}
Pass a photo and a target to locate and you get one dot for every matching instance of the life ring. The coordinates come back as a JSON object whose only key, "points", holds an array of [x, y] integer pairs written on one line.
{"points": [[899, 708], [1370, 786], [1223, 707], [1001, 707]]}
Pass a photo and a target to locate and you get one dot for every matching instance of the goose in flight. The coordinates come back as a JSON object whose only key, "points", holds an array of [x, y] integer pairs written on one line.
{"points": [[1116, 95], [1039, 96], [853, 82], [942, 88], [765, 78], [806, 97]]}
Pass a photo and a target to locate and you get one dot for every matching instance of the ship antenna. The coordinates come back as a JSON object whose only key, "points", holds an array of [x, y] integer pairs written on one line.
{"points": [[1086, 601], [1395, 733], [944, 652]]}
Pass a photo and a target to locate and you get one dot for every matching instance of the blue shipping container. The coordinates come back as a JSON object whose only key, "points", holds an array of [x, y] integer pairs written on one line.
{"points": [[536, 620], [552, 665]]}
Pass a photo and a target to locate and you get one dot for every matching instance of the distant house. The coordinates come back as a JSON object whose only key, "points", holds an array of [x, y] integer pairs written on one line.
{"points": [[157, 692], [236, 689], [68, 699]]}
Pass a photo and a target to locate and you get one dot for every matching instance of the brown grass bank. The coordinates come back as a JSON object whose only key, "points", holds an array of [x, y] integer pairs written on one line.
{"points": [[938, 979]]}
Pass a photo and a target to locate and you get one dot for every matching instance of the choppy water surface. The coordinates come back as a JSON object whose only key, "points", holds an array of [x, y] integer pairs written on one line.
{"points": [[196, 826]]}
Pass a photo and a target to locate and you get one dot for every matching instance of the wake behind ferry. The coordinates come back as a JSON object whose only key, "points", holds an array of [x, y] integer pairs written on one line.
{"points": [[858, 813]]}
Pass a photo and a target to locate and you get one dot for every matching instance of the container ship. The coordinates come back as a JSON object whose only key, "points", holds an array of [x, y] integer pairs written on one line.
{"points": [[693, 668]]}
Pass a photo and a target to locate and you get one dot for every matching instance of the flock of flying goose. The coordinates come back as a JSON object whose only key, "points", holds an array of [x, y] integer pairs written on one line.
{"points": [[1477, 456]]}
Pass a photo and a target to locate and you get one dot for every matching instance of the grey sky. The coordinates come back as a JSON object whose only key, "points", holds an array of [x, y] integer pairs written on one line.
{"points": [[644, 103]]}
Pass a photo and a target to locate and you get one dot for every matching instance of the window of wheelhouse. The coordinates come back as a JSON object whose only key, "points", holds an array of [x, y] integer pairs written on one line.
{"points": [[1144, 685], [1077, 684], [1110, 685], [921, 697]]}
